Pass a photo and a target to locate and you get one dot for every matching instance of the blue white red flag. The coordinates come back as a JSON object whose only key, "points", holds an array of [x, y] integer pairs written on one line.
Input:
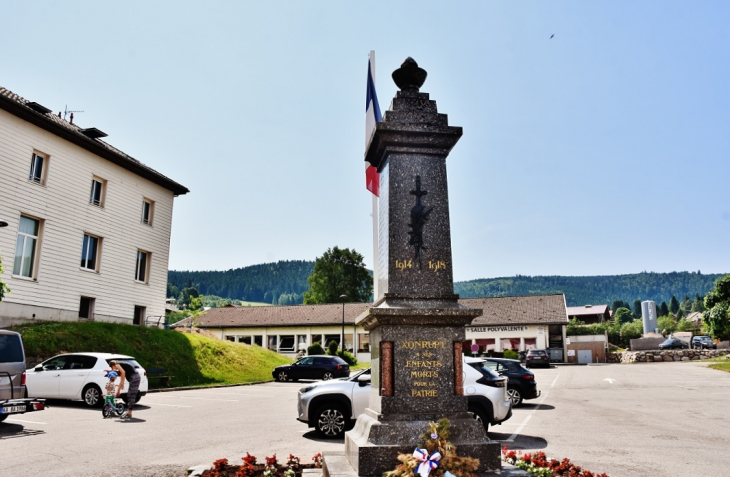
{"points": [[372, 116]]}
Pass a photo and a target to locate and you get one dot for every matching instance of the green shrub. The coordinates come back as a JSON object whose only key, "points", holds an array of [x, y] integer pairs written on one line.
{"points": [[332, 348], [511, 354], [315, 349], [347, 356]]}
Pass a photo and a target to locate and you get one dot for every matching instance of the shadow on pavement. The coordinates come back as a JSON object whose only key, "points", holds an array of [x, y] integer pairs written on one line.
{"points": [[520, 442], [539, 407], [317, 437], [10, 430]]}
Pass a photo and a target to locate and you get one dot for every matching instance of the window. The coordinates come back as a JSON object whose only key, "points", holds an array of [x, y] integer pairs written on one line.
{"points": [[231, 338], [258, 340], [90, 252], [286, 343], [98, 187], [139, 315], [364, 340], [26, 247], [272, 343], [245, 340], [510, 343], [86, 308], [38, 167], [148, 207], [143, 265]]}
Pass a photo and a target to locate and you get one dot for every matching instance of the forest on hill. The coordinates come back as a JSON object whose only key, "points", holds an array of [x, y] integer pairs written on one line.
{"points": [[280, 283], [284, 282], [595, 290]]}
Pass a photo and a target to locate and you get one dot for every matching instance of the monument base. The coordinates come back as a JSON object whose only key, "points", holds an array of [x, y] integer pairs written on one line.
{"points": [[373, 445]]}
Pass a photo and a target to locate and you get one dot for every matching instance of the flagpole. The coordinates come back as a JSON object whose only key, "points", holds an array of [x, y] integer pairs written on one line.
{"points": [[376, 238]]}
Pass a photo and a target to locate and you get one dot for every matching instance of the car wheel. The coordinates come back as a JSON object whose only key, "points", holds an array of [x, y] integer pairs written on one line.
{"points": [[282, 376], [481, 417], [91, 395], [515, 396], [3, 417], [331, 421], [327, 376]]}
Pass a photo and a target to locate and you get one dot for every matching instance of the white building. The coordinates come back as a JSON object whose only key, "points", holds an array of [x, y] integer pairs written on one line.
{"points": [[88, 232], [516, 323]]}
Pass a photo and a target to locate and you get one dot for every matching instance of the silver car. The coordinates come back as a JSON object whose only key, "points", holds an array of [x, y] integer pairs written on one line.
{"points": [[331, 407]]}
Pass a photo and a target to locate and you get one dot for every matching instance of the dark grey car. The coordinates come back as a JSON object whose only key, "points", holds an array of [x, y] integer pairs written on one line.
{"points": [[13, 393]]}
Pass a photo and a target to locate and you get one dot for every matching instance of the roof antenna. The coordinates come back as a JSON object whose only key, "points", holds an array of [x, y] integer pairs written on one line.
{"points": [[67, 111]]}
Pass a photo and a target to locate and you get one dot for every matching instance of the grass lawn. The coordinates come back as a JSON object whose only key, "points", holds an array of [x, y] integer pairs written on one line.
{"points": [[721, 364], [192, 359]]}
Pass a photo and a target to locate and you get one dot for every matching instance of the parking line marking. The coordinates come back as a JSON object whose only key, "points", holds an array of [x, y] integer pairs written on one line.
{"points": [[527, 419], [555, 380], [30, 422]]}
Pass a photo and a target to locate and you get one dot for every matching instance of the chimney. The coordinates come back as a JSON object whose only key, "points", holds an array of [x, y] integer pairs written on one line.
{"points": [[72, 118]]}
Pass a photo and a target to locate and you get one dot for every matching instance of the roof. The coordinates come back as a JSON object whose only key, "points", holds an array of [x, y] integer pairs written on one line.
{"points": [[87, 138], [587, 310], [530, 309], [523, 310], [285, 315]]}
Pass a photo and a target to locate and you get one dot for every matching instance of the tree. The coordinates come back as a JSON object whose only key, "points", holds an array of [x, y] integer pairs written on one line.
{"points": [[339, 272], [623, 315], [717, 304], [3, 287], [698, 304], [172, 291], [686, 306], [637, 308], [186, 295], [673, 305], [663, 309], [667, 323]]}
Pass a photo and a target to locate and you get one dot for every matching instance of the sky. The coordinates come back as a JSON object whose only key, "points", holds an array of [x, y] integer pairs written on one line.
{"points": [[600, 150]]}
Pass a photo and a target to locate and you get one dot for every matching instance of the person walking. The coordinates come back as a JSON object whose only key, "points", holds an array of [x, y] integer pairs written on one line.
{"points": [[127, 372]]}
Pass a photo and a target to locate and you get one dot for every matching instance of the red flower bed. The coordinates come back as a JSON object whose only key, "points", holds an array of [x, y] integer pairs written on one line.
{"points": [[272, 468]]}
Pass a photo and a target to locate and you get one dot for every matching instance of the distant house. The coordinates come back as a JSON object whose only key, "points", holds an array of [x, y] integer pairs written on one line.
{"points": [[695, 317], [590, 314], [89, 226], [517, 323]]}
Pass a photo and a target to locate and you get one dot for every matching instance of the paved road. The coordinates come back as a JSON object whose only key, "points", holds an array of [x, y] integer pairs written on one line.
{"points": [[639, 420], [658, 420]]}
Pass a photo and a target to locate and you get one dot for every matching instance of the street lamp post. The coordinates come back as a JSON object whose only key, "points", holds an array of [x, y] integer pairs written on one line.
{"points": [[342, 339]]}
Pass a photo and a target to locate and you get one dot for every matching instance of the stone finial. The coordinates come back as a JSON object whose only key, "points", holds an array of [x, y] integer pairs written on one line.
{"points": [[409, 77]]}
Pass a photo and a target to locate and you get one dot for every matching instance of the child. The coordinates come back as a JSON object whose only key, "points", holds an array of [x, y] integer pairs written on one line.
{"points": [[111, 390]]}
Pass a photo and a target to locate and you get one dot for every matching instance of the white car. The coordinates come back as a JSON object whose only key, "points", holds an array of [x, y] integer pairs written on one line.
{"points": [[331, 407], [79, 377]]}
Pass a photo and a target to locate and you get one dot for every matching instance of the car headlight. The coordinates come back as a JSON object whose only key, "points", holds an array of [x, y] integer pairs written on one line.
{"points": [[306, 389]]}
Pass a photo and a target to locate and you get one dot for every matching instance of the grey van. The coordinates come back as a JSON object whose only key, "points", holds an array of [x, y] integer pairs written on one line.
{"points": [[13, 393]]}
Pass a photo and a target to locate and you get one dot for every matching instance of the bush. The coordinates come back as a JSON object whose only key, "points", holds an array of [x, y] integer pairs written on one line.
{"points": [[332, 348], [315, 349], [348, 357], [511, 354]]}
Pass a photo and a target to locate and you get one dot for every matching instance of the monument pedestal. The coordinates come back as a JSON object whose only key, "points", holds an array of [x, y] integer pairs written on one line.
{"points": [[417, 378]]}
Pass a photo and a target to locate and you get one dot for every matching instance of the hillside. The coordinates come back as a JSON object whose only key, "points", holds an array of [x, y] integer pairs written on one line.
{"points": [[284, 283], [279, 283], [191, 359], [595, 290]]}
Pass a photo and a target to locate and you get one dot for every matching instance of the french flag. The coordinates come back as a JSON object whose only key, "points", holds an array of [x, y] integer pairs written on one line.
{"points": [[372, 116]]}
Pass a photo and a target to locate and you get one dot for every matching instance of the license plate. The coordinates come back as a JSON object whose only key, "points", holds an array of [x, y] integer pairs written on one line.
{"points": [[12, 409]]}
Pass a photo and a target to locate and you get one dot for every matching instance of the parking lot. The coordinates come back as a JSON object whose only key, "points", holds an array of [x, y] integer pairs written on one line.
{"points": [[663, 419]]}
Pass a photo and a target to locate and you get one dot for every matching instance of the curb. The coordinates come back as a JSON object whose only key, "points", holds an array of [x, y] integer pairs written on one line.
{"points": [[205, 386]]}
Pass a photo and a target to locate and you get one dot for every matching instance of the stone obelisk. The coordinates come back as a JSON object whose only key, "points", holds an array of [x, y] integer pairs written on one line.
{"points": [[417, 328]]}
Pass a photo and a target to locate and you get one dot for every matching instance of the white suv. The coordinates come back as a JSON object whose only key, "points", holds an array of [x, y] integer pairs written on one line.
{"points": [[331, 407]]}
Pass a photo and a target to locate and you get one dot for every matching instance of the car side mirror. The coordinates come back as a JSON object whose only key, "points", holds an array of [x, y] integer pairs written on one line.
{"points": [[38, 368], [363, 379]]}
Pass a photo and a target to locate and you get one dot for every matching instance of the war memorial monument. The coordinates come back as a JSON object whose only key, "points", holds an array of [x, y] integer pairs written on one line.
{"points": [[417, 327]]}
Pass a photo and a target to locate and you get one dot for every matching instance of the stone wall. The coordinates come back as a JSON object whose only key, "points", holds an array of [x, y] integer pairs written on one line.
{"points": [[652, 356]]}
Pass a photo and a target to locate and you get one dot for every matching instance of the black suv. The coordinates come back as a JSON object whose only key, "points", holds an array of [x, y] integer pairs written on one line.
{"points": [[313, 367], [537, 356], [703, 341], [521, 383]]}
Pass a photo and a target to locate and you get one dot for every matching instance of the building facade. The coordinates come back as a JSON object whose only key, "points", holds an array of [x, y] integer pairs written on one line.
{"points": [[88, 230], [590, 314], [517, 323]]}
